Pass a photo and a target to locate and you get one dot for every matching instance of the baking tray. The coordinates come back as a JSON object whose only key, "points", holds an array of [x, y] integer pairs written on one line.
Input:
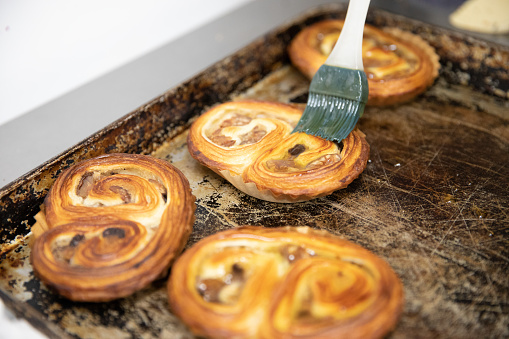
{"points": [[433, 200]]}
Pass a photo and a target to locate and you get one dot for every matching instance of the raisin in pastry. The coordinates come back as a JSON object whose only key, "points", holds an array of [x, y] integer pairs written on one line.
{"points": [[250, 144], [111, 225], [287, 282]]}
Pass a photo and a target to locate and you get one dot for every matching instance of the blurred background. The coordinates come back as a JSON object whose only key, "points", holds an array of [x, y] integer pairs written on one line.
{"points": [[51, 47]]}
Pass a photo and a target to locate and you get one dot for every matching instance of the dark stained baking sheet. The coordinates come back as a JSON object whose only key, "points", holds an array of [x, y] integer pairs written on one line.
{"points": [[433, 200]]}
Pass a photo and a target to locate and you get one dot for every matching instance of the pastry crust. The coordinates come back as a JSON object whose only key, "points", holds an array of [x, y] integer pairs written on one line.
{"points": [[399, 65], [288, 282], [250, 144], [111, 225]]}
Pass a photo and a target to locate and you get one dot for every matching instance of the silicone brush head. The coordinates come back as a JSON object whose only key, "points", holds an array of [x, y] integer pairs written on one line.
{"points": [[337, 97]]}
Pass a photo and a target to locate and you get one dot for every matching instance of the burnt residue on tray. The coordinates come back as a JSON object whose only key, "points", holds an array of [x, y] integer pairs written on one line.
{"points": [[432, 200]]}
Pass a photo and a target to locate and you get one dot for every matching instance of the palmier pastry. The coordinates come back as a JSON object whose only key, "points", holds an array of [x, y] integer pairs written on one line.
{"points": [[250, 144], [111, 225], [288, 282], [399, 65]]}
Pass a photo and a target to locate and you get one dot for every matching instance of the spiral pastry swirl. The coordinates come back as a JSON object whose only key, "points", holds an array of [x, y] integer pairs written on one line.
{"points": [[288, 282], [250, 144], [399, 65], [111, 225]]}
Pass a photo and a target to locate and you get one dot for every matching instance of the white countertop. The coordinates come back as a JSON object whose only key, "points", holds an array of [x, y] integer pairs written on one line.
{"points": [[52, 47]]}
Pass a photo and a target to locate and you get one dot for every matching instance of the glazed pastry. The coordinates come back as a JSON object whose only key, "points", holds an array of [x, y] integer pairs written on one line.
{"points": [[250, 144], [111, 225], [288, 282], [399, 65]]}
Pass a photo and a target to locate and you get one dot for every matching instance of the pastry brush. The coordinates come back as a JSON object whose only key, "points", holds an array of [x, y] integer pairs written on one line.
{"points": [[339, 90]]}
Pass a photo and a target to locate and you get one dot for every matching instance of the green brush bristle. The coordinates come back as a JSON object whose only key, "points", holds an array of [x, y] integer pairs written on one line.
{"points": [[337, 97]]}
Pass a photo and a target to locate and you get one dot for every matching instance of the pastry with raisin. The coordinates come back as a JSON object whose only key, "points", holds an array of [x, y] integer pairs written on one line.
{"points": [[250, 144], [111, 225], [287, 282], [399, 65]]}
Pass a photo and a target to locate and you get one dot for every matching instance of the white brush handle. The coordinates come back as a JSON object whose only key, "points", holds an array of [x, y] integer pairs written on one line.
{"points": [[347, 52]]}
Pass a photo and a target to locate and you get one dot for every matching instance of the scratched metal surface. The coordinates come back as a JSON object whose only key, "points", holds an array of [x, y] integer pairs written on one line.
{"points": [[433, 200]]}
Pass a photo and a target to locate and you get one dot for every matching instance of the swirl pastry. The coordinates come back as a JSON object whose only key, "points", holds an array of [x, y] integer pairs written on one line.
{"points": [[111, 225], [250, 144], [288, 282], [399, 65]]}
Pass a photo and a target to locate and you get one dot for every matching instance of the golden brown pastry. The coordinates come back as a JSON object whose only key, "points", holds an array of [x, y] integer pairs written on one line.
{"points": [[250, 144], [111, 225], [399, 65], [288, 282]]}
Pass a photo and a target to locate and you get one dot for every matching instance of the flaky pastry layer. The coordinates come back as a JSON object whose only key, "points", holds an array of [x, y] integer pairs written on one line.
{"points": [[399, 65], [288, 282], [111, 225], [250, 144]]}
